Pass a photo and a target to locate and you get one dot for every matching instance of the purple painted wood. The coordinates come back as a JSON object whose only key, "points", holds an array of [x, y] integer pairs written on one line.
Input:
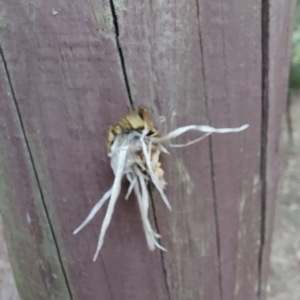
{"points": [[73, 68], [69, 86], [209, 72], [232, 58], [276, 88], [32, 250]]}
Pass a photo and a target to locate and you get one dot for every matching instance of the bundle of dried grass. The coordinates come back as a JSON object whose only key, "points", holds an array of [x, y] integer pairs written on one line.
{"points": [[134, 148]]}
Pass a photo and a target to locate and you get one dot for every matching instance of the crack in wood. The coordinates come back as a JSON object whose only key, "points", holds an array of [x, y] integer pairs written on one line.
{"points": [[162, 258], [99, 178], [216, 215], [120, 51], [215, 206], [265, 34], [8, 77]]}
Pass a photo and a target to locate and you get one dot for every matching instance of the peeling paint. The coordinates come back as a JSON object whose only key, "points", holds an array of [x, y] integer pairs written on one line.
{"points": [[255, 184], [31, 7], [28, 218], [236, 288], [242, 205], [3, 18], [120, 5], [103, 16], [185, 177]]}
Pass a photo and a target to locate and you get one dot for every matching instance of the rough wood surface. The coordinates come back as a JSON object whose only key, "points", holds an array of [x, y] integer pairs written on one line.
{"points": [[32, 249], [69, 70], [277, 57], [200, 64]]}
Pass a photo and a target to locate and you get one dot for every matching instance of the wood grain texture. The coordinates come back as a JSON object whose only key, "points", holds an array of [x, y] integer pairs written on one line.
{"points": [[163, 55], [234, 97], [201, 63], [276, 89], [75, 68], [65, 70], [33, 253]]}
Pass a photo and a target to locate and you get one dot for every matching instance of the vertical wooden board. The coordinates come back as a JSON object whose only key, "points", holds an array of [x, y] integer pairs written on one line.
{"points": [[163, 58], [33, 253], [191, 62], [68, 82], [231, 39], [280, 28], [162, 44], [162, 49]]}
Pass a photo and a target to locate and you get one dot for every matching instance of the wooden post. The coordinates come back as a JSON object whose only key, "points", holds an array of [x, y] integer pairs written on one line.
{"points": [[69, 69]]}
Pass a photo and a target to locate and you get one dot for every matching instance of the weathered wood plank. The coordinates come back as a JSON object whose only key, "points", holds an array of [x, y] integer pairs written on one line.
{"points": [[69, 86], [163, 57], [277, 41], [75, 67], [231, 38], [33, 253], [202, 62]]}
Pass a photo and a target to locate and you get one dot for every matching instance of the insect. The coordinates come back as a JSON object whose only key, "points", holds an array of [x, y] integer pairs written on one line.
{"points": [[134, 147], [133, 121]]}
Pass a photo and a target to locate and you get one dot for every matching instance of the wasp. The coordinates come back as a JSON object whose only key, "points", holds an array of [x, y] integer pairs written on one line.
{"points": [[138, 121]]}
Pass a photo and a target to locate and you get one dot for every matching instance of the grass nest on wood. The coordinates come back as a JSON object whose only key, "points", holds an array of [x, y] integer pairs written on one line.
{"points": [[134, 147]]}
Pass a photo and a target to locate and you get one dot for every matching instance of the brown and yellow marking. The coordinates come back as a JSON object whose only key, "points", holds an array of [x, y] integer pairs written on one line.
{"points": [[134, 121]]}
